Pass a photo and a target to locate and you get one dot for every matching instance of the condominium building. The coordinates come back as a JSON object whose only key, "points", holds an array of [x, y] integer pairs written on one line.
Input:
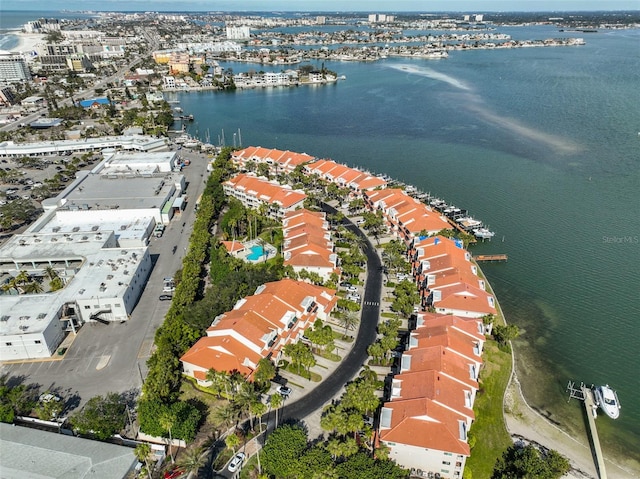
{"points": [[13, 68]]}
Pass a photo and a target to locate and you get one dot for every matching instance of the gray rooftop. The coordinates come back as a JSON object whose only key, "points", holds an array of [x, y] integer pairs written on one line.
{"points": [[32, 454]]}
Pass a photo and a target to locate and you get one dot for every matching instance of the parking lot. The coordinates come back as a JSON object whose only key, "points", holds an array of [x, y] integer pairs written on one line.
{"points": [[112, 357]]}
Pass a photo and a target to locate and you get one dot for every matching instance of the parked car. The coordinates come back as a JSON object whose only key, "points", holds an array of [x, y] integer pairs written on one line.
{"points": [[236, 462], [165, 297], [352, 289], [345, 284], [174, 473], [354, 297], [284, 391]]}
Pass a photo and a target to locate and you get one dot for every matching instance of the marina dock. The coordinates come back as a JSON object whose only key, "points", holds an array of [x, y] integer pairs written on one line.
{"points": [[491, 257], [590, 407], [585, 395]]}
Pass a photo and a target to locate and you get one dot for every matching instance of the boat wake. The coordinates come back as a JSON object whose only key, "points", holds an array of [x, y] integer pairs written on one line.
{"points": [[475, 104], [430, 73]]}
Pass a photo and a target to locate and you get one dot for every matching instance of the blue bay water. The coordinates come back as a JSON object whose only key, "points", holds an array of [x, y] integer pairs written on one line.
{"points": [[541, 144]]}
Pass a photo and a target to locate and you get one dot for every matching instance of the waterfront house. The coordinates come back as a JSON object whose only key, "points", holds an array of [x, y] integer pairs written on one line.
{"points": [[258, 326], [344, 176], [447, 279], [406, 217], [429, 406], [253, 191], [279, 161]]}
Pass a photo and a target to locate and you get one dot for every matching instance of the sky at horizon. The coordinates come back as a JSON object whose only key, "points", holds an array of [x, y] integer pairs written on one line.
{"points": [[324, 5]]}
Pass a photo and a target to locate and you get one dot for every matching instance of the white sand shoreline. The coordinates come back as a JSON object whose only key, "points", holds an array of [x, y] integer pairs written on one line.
{"points": [[27, 42]]}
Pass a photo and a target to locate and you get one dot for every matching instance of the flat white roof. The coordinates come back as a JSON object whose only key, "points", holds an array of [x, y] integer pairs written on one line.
{"points": [[95, 269], [138, 163], [30, 453]]}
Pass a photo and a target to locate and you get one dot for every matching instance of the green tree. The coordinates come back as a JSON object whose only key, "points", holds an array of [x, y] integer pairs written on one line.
{"points": [[504, 334], [142, 453], [16, 400], [528, 463], [348, 320], [300, 354], [276, 403], [232, 441], [101, 417], [282, 450], [49, 407], [167, 421], [191, 460], [265, 372]]}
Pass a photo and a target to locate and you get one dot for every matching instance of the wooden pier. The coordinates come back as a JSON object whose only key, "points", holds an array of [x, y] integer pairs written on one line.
{"points": [[586, 396], [491, 257]]}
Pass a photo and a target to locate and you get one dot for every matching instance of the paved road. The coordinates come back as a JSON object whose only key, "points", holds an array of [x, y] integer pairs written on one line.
{"points": [[112, 358], [353, 362]]}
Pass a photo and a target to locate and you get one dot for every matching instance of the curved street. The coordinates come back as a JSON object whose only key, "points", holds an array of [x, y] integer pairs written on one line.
{"points": [[351, 364]]}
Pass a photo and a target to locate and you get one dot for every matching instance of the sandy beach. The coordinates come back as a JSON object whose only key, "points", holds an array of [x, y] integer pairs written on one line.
{"points": [[26, 42], [525, 423]]}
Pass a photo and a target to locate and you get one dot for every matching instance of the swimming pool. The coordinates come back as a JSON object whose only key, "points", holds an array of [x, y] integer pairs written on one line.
{"points": [[257, 252]]}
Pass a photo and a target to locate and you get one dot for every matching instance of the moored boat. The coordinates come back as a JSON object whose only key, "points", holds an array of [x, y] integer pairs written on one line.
{"points": [[483, 233], [607, 399]]}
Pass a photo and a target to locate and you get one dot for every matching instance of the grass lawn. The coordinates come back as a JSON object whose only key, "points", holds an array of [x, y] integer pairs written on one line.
{"points": [[489, 428], [315, 377]]}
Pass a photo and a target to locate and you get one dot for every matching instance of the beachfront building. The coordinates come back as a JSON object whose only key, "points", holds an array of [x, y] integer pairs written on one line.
{"points": [[258, 327], [429, 409], [13, 68], [254, 192], [406, 217], [278, 161], [307, 243], [447, 279], [357, 180]]}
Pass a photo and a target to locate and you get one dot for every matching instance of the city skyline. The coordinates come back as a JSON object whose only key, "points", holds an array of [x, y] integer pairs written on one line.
{"points": [[325, 5]]}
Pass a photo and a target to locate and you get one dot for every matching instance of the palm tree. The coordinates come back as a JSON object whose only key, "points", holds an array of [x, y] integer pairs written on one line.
{"points": [[51, 273], [232, 441], [334, 447], [167, 421], [142, 452], [258, 408], [276, 403], [34, 287], [348, 320], [192, 460], [225, 414]]}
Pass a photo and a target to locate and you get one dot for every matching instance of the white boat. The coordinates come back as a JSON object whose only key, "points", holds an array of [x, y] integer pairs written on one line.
{"points": [[483, 233], [607, 399]]}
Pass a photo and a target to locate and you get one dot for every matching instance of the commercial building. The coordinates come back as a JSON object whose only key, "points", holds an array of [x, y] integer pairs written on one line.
{"points": [[26, 452], [86, 258], [13, 68]]}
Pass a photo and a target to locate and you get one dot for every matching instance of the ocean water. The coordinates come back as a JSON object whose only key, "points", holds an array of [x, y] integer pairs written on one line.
{"points": [[542, 145]]}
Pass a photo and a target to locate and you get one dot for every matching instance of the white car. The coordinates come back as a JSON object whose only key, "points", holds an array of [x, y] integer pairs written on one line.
{"points": [[236, 462], [352, 289]]}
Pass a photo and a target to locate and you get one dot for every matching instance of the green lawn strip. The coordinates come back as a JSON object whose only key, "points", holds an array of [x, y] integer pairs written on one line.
{"points": [[330, 356], [191, 390], [310, 375], [489, 427]]}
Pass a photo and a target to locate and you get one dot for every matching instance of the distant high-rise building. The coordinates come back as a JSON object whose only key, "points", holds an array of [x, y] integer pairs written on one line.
{"points": [[479, 17], [321, 20], [13, 68], [238, 33]]}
